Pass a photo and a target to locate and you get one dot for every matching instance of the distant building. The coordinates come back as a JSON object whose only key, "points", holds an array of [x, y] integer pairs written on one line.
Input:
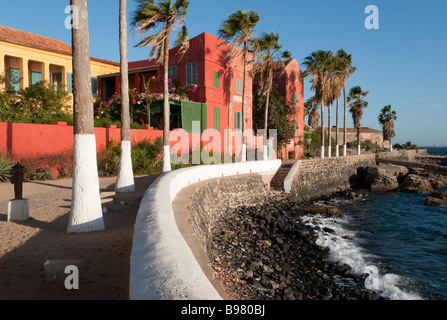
{"points": [[290, 85], [27, 58], [375, 136]]}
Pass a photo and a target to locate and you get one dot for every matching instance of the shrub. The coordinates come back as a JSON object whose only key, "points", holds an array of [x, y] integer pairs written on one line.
{"points": [[5, 169]]}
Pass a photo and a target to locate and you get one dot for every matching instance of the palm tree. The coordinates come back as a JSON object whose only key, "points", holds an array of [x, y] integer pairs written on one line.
{"points": [[85, 211], [271, 62], [125, 180], [356, 105], [319, 64], [311, 110], [346, 68], [386, 119], [238, 29], [166, 16]]}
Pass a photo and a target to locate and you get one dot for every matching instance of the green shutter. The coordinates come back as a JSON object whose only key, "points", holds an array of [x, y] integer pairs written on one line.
{"points": [[237, 121], [94, 86], [14, 80], [70, 82], [191, 73], [295, 127], [36, 77], [239, 86], [295, 99], [216, 79], [216, 119]]}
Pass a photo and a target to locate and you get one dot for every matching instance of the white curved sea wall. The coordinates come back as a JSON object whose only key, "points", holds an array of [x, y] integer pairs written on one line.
{"points": [[162, 266]]}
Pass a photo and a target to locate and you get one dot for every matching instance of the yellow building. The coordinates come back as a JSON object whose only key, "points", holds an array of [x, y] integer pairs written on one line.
{"points": [[27, 58]]}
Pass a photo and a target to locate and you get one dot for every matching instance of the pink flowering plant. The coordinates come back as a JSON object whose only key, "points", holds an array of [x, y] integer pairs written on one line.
{"points": [[139, 102]]}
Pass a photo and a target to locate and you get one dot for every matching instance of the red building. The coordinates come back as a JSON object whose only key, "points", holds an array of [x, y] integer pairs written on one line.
{"points": [[290, 85], [219, 84], [219, 88]]}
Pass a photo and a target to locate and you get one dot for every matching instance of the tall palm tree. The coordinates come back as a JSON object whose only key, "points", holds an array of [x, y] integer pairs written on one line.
{"points": [[238, 29], [125, 180], [271, 61], [311, 110], [85, 211], [356, 106], [318, 65], [346, 68], [386, 119], [166, 16]]}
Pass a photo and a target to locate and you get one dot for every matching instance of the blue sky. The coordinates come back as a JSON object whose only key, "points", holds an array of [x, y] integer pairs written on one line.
{"points": [[403, 63]]}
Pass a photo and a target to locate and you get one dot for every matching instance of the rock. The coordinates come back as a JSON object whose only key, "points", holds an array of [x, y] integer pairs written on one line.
{"points": [[384, 178], [440, 194], [432, 201], [327, 211], [416, 184]]}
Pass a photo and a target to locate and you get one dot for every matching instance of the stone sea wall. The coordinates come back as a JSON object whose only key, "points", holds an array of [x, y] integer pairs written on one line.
{"points": [[322, 177], [212, 198]]}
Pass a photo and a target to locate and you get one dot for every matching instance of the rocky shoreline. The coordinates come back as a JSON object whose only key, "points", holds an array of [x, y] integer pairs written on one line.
{"points": [[266, 252]]}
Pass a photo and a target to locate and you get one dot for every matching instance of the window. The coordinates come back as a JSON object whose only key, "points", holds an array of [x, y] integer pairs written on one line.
{"points": [[191, 73], [216, 79], [295, 127], [295, 98], [172, 71], [237, 121], [239, 86], [216, 119], [70, 82], [14, 80], [36, 77], [294, 71], [94, 86]]}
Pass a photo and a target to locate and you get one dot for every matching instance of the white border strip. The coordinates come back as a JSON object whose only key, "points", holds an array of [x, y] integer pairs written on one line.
{"points": [[162, 266], [289, 179]]}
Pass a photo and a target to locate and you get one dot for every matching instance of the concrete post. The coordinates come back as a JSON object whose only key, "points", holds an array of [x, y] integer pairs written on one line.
{"points": [[18, 208]]}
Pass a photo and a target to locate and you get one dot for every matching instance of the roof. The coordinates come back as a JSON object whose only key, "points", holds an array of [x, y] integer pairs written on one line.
{"points": [[40, 42]]}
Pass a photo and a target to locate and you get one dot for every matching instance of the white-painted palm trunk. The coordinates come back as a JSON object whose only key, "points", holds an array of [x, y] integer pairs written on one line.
{"points": [[329, 151], [244, 153], [322, 152], [359, 148], [345, 150], [265, 152], [337, 150], [125, 180], [86, 210], [166, 159]]}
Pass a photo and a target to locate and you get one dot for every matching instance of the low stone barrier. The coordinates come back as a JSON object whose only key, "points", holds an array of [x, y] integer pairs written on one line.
{"points": [[321, 177], [162, 266]]}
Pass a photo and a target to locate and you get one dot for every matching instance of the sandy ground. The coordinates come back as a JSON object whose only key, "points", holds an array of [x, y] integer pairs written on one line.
{"points": [[26, 246]]}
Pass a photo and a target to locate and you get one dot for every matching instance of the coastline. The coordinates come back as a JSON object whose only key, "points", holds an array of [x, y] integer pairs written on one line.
{"points": [[271, 252]]}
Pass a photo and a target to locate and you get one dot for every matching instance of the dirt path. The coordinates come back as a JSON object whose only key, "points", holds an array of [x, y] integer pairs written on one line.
{"points": [[25, 246]]}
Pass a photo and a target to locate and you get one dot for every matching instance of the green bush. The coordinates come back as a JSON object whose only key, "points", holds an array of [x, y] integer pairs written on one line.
{"points": [[5, 169]]}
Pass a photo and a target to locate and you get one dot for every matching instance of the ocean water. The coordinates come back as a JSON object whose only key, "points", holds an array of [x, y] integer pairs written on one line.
{"points": [[393, 237]]}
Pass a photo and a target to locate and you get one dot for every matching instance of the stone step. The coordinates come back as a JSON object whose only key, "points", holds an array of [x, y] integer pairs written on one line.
{"points": [[277, 182]]}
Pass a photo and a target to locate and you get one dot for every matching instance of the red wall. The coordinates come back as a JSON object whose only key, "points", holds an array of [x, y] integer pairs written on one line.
{"points": [[24, 140], [27, 140]]}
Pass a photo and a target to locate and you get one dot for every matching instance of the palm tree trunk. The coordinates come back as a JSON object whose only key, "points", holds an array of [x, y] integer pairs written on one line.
{"points": [[267, 98], [244, 90], [359, 147], [345, 119], [329, 147], [166, 109], [337, 151], [322, 132], [85, 211], [125, 180]]}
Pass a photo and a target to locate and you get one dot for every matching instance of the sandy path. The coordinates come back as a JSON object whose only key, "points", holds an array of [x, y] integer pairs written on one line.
{"points": [[25, 246]]}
